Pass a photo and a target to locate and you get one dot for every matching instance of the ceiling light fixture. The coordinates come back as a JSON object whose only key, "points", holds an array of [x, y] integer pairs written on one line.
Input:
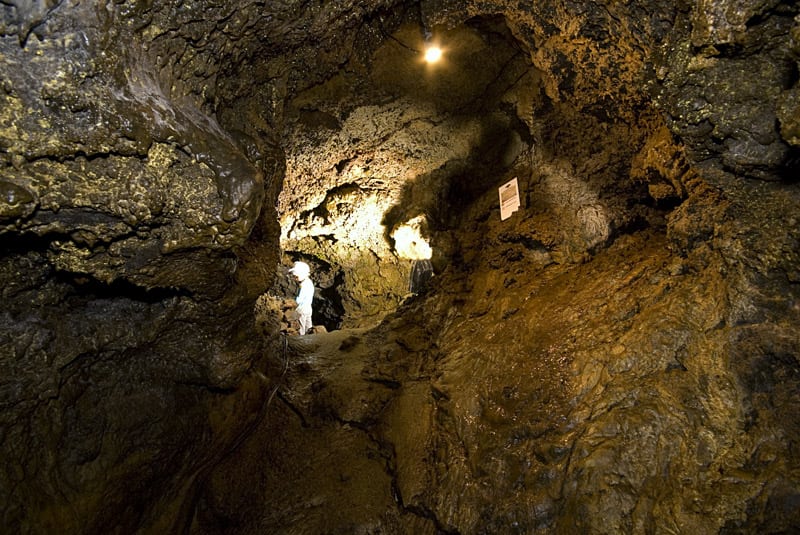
{"points": [[432, 53]]}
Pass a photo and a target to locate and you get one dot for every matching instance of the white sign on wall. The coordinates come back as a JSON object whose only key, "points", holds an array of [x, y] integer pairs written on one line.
{"points": [[509, 198]]}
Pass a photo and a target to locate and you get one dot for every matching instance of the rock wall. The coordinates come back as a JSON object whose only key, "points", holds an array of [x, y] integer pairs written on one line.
{"points": [[129, 221], [621, 355], [618, 357]]}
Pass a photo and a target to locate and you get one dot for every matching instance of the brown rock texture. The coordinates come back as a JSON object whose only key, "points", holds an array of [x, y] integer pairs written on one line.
{"points": [[618, 356]]}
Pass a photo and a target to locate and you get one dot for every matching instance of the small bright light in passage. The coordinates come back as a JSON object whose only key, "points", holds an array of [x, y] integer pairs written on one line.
{"points": [[408, 240], [433, 54]]}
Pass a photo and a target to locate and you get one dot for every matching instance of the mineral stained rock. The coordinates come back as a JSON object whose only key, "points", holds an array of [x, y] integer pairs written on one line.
{"points": [[619, 356]]}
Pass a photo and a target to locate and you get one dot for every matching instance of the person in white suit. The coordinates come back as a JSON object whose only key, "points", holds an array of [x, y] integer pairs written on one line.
{"points": [[305, 296]]}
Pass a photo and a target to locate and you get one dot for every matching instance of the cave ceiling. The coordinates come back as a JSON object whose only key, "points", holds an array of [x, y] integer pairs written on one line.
{"points": [[324, 100], [164, 163]]}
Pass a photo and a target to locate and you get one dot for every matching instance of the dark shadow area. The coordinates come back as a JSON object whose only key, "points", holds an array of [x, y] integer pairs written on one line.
{"points": [[790, 172], [421, 275], [89, 288]]}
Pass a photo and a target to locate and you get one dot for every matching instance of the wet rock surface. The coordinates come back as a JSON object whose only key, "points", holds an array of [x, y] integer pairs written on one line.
{"points": [[565, 404], [621, 355]]}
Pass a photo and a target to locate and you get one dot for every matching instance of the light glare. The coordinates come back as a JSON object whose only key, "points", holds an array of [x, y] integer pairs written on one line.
{"points": [[409, 243], [433, 54]]}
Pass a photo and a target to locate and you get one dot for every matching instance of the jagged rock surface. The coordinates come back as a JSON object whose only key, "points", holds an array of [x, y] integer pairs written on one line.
{"points": [[619, 356]]}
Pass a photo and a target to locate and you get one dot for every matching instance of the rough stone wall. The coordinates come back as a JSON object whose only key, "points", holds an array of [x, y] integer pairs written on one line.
{"points": [[571, 372], [729, 85], [126, 311], [386, 131], [619, 357], [381, 143], [631, 393]]}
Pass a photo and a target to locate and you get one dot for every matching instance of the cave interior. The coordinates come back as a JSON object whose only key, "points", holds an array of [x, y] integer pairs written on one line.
{"points": [[618, 353]]}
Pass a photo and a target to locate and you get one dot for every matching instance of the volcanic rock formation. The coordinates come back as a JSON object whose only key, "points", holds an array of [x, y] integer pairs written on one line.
{"points": [[620, 355]]}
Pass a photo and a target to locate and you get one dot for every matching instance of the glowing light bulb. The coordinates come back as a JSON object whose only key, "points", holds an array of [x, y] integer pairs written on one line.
{"points": [[433, 54]]}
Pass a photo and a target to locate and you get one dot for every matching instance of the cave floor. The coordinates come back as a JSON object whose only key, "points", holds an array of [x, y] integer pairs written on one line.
{"points": [[496, 405], [313, 464], [371, 427]]}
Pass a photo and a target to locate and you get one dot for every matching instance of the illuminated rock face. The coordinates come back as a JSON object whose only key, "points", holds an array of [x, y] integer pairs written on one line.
{"points": [[620, 355]]}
